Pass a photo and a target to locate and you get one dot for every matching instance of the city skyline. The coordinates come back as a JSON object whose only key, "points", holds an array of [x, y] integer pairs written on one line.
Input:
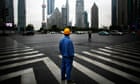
{"points": [[33, 10]]}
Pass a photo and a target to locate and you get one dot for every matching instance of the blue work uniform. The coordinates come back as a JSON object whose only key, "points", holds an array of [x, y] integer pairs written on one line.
{"points": [[67, 52]]}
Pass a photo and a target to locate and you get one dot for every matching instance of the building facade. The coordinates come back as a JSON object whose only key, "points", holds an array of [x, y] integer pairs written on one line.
{"points": [[2, 15], [85, 20], [10, 17], [21, 15], [94, 17], [114, 12], [50, 6], [79, 12]]}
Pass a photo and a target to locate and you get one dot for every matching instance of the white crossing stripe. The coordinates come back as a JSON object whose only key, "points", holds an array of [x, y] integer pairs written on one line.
{"points": [[93, 75], [21, 58], [27, 76], [127, 48], [55, 70], [111, 69], [113, 61], [115, 56], [22, 63], [7, 48], [12, 49], [122, 50], [19, 54], [16, 51], [114, 52]]}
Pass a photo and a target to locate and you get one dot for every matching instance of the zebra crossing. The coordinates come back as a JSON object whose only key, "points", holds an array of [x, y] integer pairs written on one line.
{"points": [[106, 65]]}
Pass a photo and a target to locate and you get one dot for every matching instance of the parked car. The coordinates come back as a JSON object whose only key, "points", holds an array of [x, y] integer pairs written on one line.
{"points": [[116, 32], [103, 33]]}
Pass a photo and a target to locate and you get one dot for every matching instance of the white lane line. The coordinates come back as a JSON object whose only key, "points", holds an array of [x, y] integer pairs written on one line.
{"points": [[116, 56], [28, 78], [110, 69], [118, 53], [7, 48], [21, 58], [16, 51], [55, 70], [19, 54], [90, 73], [13, 49], [112, 61], [125, 51], [22, 63], [26, 73], [129, 49]]}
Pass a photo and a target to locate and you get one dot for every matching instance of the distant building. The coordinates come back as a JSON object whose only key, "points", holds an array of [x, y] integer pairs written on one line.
{"points": [[21, 15], [55, 19], [65, 14], [2, 8], [50, 6], [10, 17], [79, 12], [94, 16], [125, 12], [85, 20]]}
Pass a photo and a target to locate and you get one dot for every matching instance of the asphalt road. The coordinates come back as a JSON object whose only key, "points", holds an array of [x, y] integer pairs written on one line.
{"points": [[36, 59]]}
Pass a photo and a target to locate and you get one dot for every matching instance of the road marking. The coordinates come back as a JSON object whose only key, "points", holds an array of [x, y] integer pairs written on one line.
{"points": [[13, 49], [19, 54], [22, 63], [93, 75], [122, 50], [55, 70], [27, 76], [111, 69], [16, 51], [115, 56], [21, 58], [112, 61], [118, 53], [7, 48], [129, 49]]}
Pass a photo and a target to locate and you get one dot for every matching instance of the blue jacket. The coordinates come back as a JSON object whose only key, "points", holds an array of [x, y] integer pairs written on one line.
{"points": [[66, 47]]}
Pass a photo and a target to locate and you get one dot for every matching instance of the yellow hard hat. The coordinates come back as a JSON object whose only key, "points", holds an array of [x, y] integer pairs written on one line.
{"points": [[66, 31]]}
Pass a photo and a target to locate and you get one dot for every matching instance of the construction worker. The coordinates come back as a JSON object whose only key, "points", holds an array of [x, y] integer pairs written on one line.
{"points": [[67, 51]]}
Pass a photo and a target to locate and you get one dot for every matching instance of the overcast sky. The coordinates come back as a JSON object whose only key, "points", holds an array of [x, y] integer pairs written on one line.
{"points": [[34, 11]]}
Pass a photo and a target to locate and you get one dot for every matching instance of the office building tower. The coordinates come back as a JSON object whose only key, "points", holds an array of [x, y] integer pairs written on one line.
{"points": [[50, 6], [85, 20], [94, 17], [79, 12], [21, 15], [2, 15], [67, 12], [114, 12], [133, 11], [10, 10]]}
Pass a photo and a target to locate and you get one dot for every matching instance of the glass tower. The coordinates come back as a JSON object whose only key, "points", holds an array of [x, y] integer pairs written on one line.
{"points": [[21, 15], [50, 6]]}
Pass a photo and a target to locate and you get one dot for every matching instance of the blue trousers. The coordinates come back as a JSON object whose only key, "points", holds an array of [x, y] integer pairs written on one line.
{"points": [[66, 68]]}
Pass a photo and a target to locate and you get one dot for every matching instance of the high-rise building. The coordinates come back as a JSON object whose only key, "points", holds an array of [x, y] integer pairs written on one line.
{"points": [[125, 12], [50, 6], [94, 16], [10, 16], [21, 15], [79, 12], [43, 15], [85, 20], [65, 14], [133, 11], [2, 8], [114, 12]]}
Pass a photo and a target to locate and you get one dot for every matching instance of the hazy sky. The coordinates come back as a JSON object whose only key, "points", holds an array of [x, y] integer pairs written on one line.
{"points": [[34, 11]]}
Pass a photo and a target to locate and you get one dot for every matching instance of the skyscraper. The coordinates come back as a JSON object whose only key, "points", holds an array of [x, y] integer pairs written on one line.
{"points": [[10, 16], [50, 6], [21, 15], [94, 17], [114, 12], [67, 11], [79, 12]]}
